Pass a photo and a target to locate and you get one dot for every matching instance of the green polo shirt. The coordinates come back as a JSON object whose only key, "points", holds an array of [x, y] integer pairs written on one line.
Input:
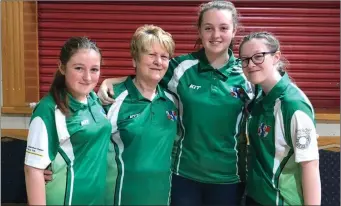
{"points": [[79, 141], [143, 134], [282, 134], [211, 103]]}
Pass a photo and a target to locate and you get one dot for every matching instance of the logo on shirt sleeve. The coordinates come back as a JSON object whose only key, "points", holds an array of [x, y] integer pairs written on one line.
{"points": [[303, 138], [237, 92], [171, 115], [263, 130]]}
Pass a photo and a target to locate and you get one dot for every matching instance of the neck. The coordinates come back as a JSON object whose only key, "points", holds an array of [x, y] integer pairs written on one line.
{"points": [[217, 60], [147, 89], [272, 80], [78, 97]]}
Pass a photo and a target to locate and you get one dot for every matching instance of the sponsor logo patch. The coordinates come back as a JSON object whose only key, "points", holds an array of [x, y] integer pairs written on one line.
{"points": [[303, 138], [84, 122], [134, 116], [192, 86]]}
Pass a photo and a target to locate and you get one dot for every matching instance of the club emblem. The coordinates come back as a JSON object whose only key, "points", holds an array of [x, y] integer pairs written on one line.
{"points": [[263, 130], [171, 115], [237, 92]]}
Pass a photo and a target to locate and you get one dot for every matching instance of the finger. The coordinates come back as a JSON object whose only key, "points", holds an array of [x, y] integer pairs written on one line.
{"points": [[47, 178], [108, 100], [111, 91], [47, 172]]}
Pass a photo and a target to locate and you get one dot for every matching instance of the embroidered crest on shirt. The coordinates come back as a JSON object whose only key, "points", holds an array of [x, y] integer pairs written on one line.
{"points": [[237, 92], [263, 130], [303, 138], [171, 115]]}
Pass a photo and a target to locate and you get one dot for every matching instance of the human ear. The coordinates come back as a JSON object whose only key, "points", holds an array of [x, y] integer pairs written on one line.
{"points": [[134, 63], [276, 57], [61, 68]]}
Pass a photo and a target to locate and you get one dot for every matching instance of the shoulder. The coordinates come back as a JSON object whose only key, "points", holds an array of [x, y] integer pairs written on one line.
{"points": [[294, 99], [294, 102], [186, 60], [120, 90], [237, 66], [171, 97], [44, 111], [46, 104], [120, 94]]}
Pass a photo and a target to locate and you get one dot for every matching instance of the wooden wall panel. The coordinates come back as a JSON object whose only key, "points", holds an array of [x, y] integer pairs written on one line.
{"points": [[31, 62], [19, 38], [12, 53]]}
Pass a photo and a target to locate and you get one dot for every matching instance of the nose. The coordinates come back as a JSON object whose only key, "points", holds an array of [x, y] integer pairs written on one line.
{"points": [[157, 60], [215, 33], [251, 64], [86, 76]]}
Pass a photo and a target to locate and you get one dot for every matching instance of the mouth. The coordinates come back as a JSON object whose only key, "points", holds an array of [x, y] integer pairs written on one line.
{"points": [[155, 69], [85, 84], [253, 71], [215, 42]]}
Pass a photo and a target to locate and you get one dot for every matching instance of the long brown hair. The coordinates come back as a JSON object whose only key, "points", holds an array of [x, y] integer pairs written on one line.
{"points": [[58, 86]]}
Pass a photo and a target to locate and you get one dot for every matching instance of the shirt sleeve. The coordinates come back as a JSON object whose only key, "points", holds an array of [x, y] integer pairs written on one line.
{"points": [[303, 137], [37, 145], [42, 141]]}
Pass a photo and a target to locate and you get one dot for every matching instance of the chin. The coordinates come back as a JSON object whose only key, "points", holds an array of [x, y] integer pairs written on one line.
{"points": [[156, 78], [216, 51], [86, 91], [255, 80]]}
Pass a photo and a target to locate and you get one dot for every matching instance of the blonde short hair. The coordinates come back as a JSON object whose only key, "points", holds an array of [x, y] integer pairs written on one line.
{"points": [[147, 35]]}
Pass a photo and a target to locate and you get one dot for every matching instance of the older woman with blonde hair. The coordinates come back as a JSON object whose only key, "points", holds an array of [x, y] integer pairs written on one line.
{"points": [[144, 120]]}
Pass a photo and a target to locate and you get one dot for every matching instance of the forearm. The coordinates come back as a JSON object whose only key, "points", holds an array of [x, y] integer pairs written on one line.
{"points": [[35, 186], [114, 81], [311, 182]]}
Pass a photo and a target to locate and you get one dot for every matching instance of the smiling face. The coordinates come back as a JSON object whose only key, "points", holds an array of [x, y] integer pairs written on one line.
{"points": [[152, 65], [263, 72], [82, 73], [216, 31]]}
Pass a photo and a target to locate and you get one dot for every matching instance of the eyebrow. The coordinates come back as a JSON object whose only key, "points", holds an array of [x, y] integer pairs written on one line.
{"points": [[223, 24], [257, 52], [80, 64], [77, 64]]}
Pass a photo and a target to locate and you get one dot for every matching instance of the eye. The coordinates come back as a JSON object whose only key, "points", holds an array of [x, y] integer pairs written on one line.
{"points": [[165, 57], [78, 68], [224, 28], [95, 70], [207, 28], [152, 55], [257, 56]]}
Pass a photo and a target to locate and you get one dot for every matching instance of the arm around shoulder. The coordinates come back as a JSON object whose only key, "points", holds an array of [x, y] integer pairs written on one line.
{"points": [[107, 87]]}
